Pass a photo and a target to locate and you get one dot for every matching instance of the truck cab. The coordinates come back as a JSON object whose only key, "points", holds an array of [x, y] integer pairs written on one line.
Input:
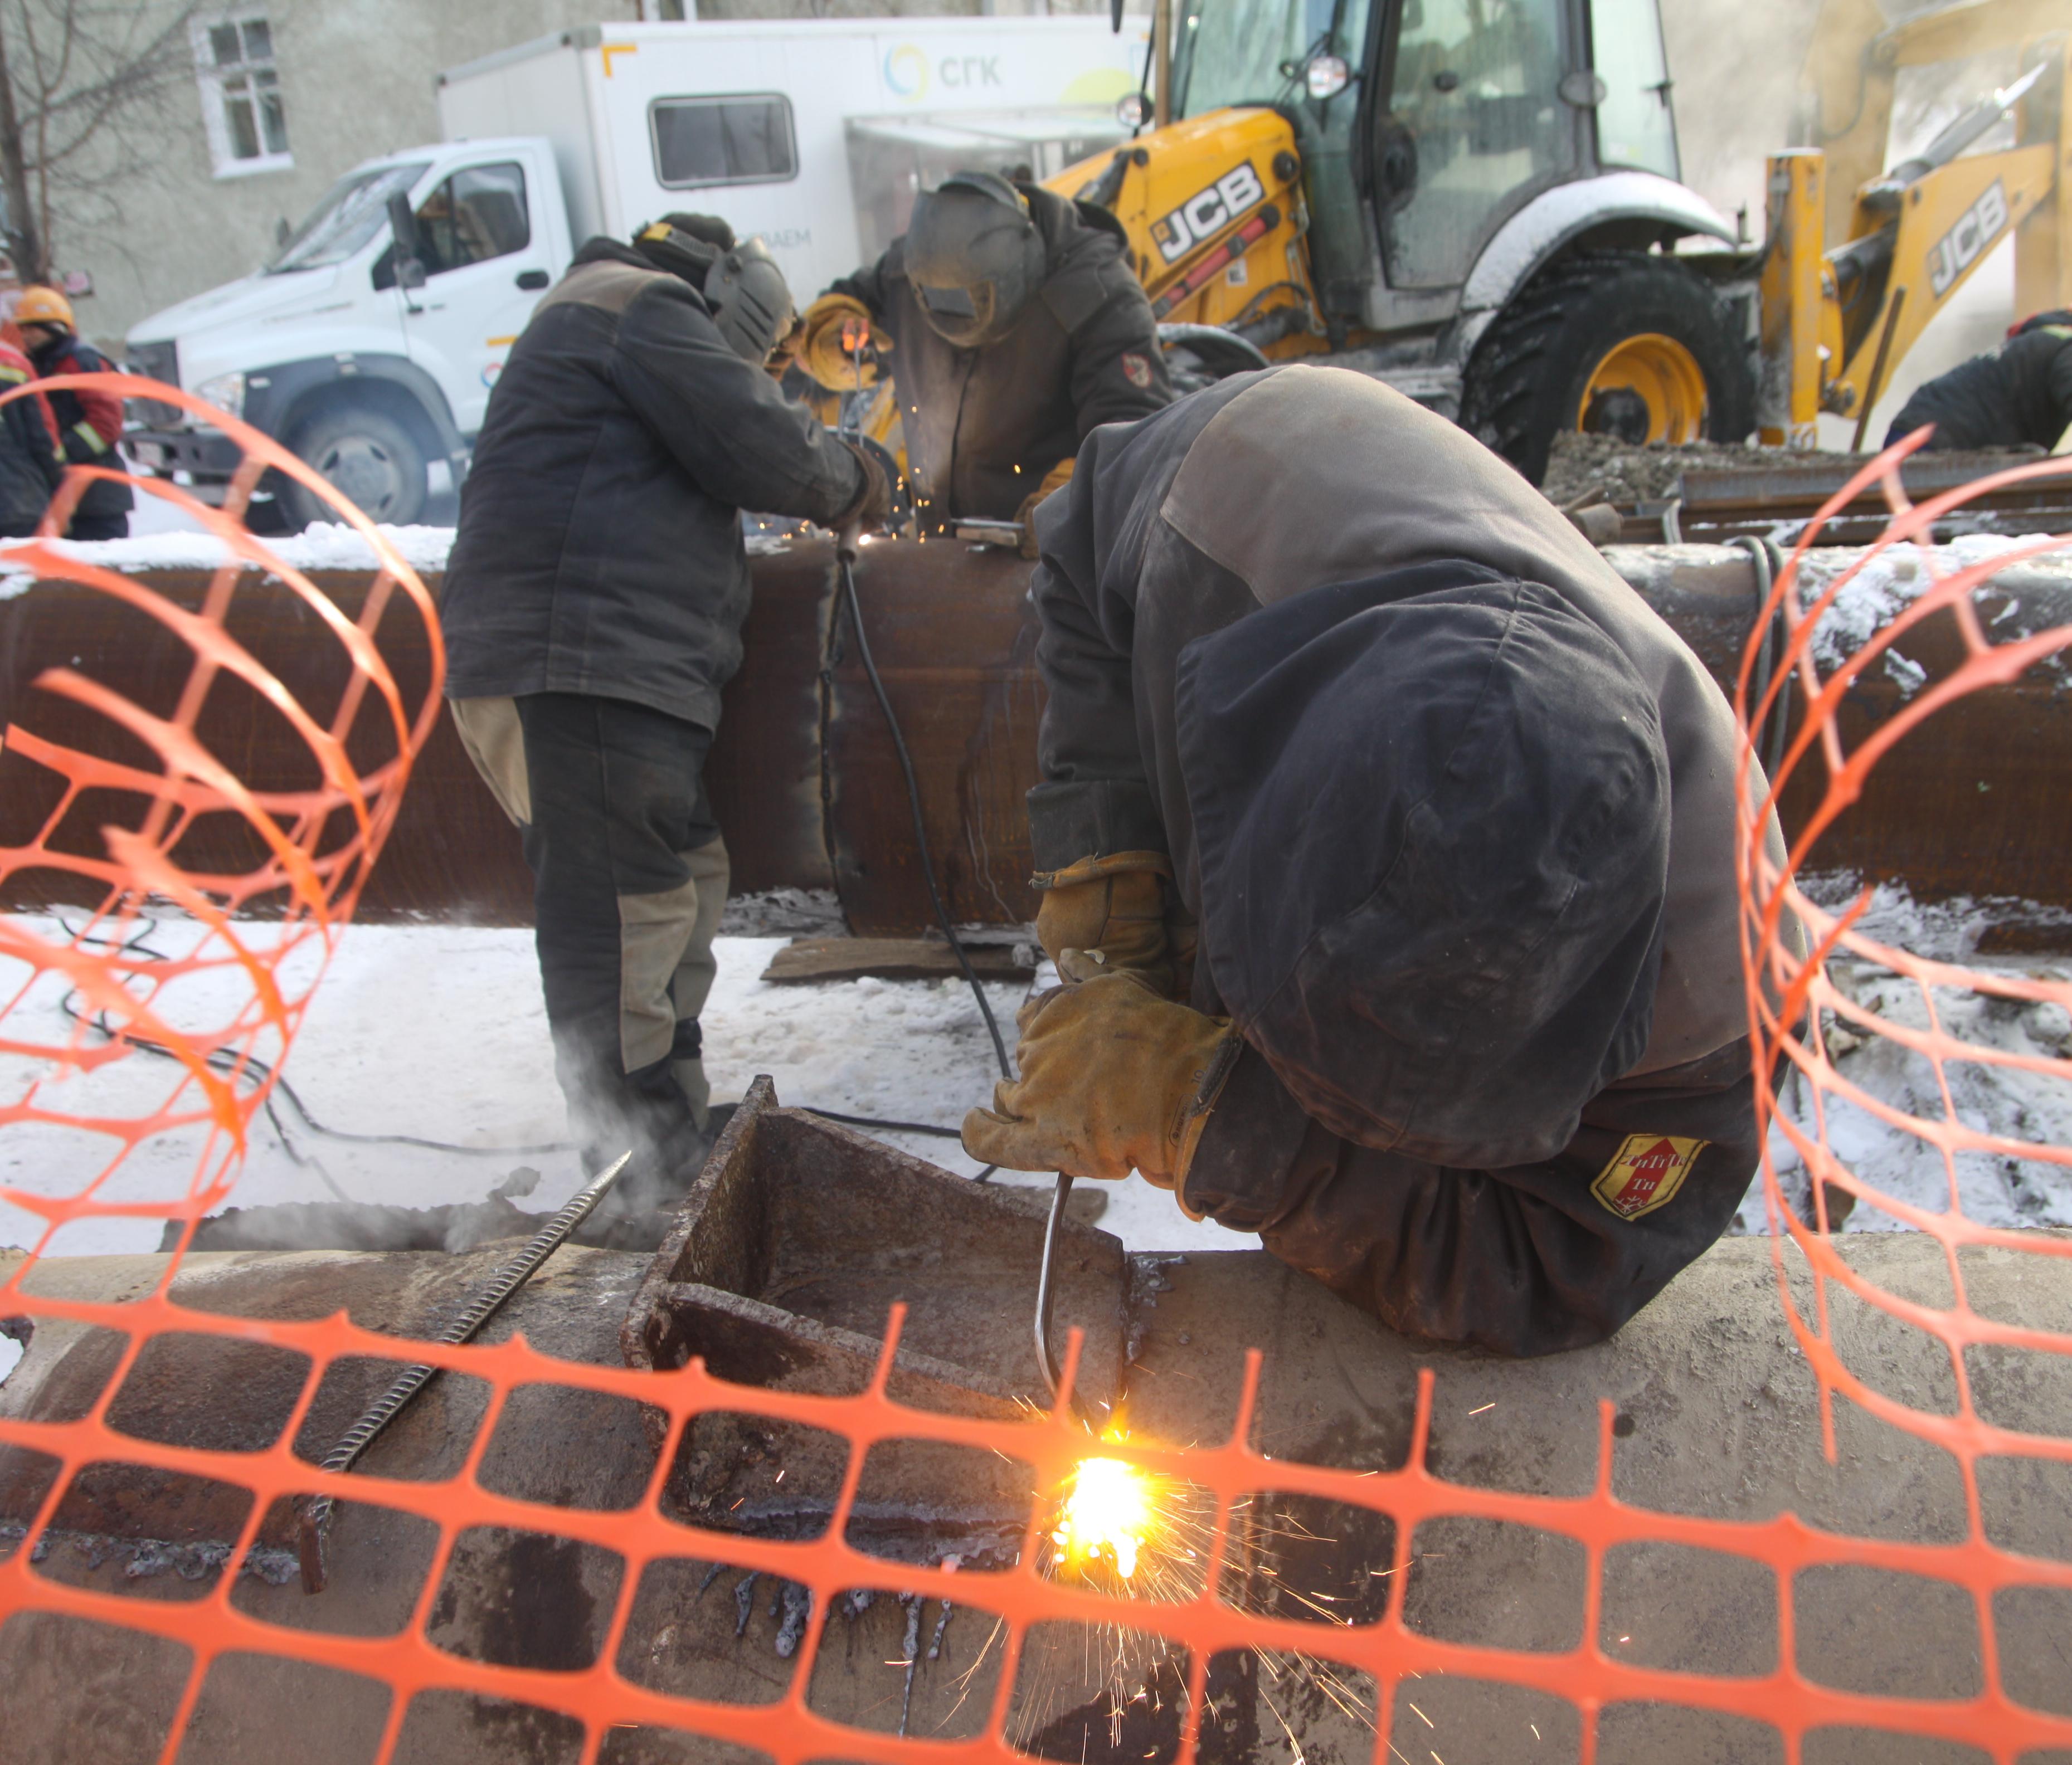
{"points": [[376, 384]]}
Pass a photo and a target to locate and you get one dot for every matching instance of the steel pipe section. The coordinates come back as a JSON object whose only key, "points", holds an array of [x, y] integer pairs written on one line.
{"points": [[805, 778]]}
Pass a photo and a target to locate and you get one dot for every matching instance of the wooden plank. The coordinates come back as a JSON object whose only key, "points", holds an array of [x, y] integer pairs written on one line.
{"points": [[808, 959]]}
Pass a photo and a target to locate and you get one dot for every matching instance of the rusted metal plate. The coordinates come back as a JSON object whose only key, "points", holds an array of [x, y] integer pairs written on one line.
{"points": [[954, 636], [1969, 804], [799, 1235], [807, 960]]}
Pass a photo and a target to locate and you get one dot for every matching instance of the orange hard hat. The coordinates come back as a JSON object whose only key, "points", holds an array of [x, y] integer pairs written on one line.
{"points": [[44, 306]]}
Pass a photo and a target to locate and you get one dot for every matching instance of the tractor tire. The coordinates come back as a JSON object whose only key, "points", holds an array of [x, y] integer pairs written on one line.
{"points": [[1632, 346], [369, 458]]}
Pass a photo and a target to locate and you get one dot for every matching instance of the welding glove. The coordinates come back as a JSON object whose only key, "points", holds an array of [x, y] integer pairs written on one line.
{"points": [[872, 507], [838, 329], [1113, 1078], [1055, 479], [1114, 910]]}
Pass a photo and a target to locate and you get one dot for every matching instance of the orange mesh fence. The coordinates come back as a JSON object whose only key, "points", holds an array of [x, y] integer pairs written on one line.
{"points": [[1181, 1607]]}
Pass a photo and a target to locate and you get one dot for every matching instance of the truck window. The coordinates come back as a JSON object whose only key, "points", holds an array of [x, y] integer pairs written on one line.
{"points": [[1475, 122], [475, 215], [742, 138], [469, 218], [353, 210], [1635, 126]]}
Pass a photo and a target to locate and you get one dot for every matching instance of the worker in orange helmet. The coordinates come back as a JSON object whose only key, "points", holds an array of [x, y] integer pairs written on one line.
{"points": [[29, 468], [89, 423]]}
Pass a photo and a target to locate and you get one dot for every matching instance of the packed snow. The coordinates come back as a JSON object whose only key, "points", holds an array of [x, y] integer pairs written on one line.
{"points": [[438, 1032]]}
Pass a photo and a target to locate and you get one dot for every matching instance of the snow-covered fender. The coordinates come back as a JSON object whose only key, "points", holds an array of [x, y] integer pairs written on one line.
{"points": [[1558, 218], [273, 394]]}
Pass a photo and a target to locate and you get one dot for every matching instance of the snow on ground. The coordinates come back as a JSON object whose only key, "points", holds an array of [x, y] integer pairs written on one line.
{"points": [[163, 537], [2016, 1104], [438, 1032]]}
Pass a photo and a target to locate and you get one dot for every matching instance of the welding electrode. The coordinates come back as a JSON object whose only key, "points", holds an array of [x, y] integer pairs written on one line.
{"points": [[514, 1275]]}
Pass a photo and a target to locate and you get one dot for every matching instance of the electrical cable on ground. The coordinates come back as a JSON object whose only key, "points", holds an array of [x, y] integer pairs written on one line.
{"points": [[222, 1060]]}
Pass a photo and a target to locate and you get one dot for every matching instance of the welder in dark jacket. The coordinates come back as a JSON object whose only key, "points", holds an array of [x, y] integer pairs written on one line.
{"points": [[1014, 328], [2018, 395], [592, 609], [1450, 812], [29, 468], [89, 424]]}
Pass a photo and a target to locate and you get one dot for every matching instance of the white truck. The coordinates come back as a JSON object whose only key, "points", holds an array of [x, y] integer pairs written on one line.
{"points": [[814, 134]]}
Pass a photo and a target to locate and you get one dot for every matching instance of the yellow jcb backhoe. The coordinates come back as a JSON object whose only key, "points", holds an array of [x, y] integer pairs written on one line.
{"points": [[1478, 201]]}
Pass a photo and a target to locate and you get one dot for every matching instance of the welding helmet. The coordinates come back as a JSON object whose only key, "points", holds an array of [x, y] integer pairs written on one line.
{"points": [[974, 257], [746, 290], [750, 302]]}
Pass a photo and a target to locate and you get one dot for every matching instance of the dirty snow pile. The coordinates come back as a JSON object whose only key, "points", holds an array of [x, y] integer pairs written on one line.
{"points": [[320, 546], [438, 1033], [2015, 1103], [1893, 580]]}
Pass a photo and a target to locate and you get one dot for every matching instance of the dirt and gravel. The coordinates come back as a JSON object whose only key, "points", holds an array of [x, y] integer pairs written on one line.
{"points": [[1603, 468]]}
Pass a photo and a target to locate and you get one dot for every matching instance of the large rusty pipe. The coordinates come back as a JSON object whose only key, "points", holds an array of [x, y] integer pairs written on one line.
{"points": [[805, 781]]}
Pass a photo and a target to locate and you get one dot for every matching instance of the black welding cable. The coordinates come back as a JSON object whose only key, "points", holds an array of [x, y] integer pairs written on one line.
{"points": [[1767, 562], [913, 803], [920, 829]]}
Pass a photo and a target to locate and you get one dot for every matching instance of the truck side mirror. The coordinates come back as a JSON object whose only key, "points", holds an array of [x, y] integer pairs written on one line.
{"points": [[403, 223]]}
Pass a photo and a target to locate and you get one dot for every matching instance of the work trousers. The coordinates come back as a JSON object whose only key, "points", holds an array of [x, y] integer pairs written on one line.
{"points": [[629, 876]]}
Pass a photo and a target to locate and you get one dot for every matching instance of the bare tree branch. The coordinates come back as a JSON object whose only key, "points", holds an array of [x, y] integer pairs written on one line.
{"points": [[82, 85]]}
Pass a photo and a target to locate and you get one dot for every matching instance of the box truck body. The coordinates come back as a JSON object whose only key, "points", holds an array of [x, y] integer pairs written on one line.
{"points": [[814, 134]]}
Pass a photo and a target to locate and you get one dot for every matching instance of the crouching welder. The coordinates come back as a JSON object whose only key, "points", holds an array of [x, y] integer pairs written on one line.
{"points": [[1386, 840], [2017, 396], [1015, 327], [592, 610]]}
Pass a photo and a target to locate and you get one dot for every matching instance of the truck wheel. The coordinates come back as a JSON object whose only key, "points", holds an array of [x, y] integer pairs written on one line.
{"points": [[1638, 348], [369, 456]]}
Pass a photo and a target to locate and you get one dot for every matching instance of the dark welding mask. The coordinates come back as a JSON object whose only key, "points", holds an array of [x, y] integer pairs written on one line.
{"points": [[750, 302], [974, 257]]}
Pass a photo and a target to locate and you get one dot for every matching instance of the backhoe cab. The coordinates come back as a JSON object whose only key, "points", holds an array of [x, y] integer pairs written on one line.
{"points": [[1462, 197], [1476, 201]]}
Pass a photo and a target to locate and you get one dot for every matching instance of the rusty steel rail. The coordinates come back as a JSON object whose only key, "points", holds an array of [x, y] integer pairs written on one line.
{"points": [[1775, 502]]}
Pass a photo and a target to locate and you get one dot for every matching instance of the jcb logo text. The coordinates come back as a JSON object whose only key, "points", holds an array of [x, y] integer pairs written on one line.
{"points": [[1207, 211], [1957, 250]]}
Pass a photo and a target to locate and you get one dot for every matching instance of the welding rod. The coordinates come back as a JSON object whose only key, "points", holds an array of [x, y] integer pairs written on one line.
{"points": [[514, 1275], [1047, 1294]]}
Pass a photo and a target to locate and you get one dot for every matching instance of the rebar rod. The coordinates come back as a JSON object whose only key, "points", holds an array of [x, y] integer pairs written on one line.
{"points": [[413, 1379]]}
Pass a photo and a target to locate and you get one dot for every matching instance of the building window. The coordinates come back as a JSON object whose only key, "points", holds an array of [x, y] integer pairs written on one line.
{"points": [[241, 95], [745, 138]]}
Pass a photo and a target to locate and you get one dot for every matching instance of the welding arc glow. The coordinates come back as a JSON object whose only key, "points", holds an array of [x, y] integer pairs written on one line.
{"points": [[1105, 1516]]}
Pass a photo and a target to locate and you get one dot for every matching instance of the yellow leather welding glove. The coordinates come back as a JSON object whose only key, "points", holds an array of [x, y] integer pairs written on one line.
{"points": [[1114, 1079], [837, 326], [1112, 908], [1055, 479]]}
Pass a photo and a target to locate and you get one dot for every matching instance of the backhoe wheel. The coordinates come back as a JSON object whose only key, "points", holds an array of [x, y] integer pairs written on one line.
{"points": [[1638, 348]]}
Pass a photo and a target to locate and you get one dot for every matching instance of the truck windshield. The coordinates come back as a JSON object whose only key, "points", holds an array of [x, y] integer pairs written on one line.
{"points": [[1230, 52], [352, 212]]}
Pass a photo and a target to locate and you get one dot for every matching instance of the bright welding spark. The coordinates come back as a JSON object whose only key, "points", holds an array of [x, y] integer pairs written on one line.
{"points": [[1106, 1516]]}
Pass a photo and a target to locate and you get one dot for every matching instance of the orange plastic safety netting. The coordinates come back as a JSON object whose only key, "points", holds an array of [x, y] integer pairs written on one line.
{"points": [[1139, 1565]]}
